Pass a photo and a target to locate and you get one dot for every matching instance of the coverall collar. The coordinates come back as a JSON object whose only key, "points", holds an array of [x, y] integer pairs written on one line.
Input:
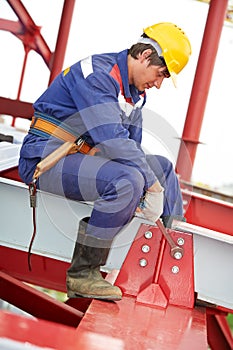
{"points": [[130, 91]]}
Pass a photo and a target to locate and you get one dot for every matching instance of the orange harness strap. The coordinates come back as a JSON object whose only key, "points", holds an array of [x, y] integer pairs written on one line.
{"points": [[45, 126]]}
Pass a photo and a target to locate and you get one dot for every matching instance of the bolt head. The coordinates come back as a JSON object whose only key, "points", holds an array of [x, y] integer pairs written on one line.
{"points": [[180, 241], [143, 262], [178, 255], [177, 252], [175, 269], [145, 248], [148, 234]]}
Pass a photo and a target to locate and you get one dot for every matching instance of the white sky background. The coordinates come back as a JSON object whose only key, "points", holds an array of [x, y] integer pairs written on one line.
{"points": [[106, 26]]}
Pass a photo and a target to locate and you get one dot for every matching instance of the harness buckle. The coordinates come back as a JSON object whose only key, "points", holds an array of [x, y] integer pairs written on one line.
{"points": [[79, 142]]}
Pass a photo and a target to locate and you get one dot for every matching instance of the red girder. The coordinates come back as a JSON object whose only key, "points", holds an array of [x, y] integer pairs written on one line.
{"points": [[218, 331], [37, 303], [46, 272], [201, 84], [62, 38], [16, 108], [27, 31], [10, 26], [208, 212], [25, 332]]}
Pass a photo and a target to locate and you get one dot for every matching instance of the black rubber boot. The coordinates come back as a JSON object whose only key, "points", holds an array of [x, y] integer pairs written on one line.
{"points": [[167, 220], [84, 278]]}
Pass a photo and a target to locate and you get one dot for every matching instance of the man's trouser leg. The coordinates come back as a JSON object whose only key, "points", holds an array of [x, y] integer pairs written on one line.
{"points": [[84, 278], [114, 188], [173, 202]]}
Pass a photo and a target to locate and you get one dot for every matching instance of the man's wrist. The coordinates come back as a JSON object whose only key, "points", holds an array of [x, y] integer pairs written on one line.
{"points": [[156, 187]]}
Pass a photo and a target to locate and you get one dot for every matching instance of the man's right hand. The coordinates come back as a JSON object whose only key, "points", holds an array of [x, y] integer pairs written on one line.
{"points": [[152, 206]]}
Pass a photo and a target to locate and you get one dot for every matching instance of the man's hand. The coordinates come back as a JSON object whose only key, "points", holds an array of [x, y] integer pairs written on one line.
{"points": [[151, 207]]}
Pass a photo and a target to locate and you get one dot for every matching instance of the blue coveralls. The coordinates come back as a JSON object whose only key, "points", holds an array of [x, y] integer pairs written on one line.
{"points": [[87, 97]]}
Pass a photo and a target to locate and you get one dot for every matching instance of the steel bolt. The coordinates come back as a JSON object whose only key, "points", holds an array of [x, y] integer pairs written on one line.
{"points": [[175, 269], [177, 252], [180, 241], [178, 255], [148, 234], [145, 248], [143, 262]]}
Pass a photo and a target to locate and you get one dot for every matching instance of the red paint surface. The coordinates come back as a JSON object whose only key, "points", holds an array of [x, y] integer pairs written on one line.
{"points": [[141, 327], [156, 284]]}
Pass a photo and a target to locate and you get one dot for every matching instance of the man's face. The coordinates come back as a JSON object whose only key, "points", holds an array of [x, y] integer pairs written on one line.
{"points": [[144, 76]]}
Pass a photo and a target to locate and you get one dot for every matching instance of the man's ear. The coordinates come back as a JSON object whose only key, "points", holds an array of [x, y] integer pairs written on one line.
{"points": [[144, 55]]}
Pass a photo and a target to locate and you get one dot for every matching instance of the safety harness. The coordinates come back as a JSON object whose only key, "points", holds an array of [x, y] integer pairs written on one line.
{"points": [[46, 126]]}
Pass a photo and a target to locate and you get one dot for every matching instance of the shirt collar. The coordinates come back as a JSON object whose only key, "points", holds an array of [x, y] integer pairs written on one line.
{"points": [[130, 91]]}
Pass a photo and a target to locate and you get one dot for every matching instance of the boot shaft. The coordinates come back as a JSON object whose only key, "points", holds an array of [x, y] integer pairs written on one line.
{"points": [[83, 277], [89, 252]]}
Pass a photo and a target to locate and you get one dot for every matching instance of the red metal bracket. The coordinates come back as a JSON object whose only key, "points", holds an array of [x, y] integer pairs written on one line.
{"points": [[152, 275]]}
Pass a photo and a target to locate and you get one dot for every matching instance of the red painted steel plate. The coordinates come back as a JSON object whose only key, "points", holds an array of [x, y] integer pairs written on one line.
{"points": [[135, 326]]}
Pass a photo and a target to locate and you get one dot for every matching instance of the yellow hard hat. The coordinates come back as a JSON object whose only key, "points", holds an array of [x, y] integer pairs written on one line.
{"points": [[174, 43]]}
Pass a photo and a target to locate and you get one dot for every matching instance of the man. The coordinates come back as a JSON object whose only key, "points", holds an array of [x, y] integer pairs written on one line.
{"points": [[110, 167]]}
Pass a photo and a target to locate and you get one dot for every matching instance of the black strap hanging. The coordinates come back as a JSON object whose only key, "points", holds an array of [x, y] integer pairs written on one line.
{"points": [[32, 192]]}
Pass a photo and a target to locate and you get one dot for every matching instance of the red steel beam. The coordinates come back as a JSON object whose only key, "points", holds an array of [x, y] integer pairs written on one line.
{"points": [[218, 332], [11, 173], [208, 212], [46, 272], [62, 39], [20, 332], [37, 303], [28, 31], [199, 94], [16, 108], [10, 26]]}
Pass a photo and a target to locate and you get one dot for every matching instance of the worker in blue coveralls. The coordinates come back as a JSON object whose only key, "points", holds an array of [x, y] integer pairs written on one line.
{"points": [[83, 103]]}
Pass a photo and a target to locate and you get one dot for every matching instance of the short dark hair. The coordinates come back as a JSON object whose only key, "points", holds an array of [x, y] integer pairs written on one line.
{"points": [[154, 58]]}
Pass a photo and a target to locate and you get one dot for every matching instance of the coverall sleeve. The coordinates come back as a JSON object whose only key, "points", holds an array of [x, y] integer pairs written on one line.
{"points": [[102, 117]]}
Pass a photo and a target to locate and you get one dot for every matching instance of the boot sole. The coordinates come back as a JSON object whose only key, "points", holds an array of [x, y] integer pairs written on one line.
{"points": [[100, 297]]}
